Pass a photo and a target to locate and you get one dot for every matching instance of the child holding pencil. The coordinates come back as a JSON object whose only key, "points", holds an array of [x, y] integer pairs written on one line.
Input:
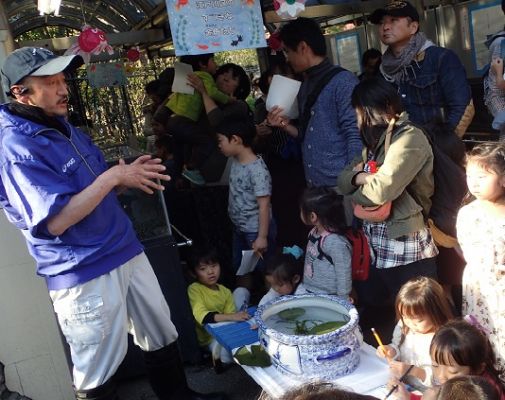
{"points": [[421, 308]]}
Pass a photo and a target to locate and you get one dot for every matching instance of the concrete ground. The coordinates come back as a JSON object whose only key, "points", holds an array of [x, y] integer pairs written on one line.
{"points": [[234, 382]]}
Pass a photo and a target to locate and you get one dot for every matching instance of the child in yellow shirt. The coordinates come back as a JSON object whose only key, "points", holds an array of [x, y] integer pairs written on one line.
{"points": [[212, 302]]}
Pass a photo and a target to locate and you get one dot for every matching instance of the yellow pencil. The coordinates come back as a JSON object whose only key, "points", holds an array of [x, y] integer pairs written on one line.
{"points": [[377, 337]]}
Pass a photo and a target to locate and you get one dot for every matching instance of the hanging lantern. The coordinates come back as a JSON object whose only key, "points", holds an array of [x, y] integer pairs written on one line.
{"points": [[133, 54], [90, 41], [274, 42], [47, 7], [289, 9]]}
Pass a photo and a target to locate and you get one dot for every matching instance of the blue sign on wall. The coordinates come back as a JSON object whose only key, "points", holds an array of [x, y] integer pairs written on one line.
{"points": [[208, 26]]}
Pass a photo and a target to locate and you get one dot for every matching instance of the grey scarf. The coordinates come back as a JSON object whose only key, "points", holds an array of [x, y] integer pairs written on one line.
{"points": [[395, 69]]}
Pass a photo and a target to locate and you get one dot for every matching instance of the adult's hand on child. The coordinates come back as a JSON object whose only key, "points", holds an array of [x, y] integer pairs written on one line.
{"points": [[195, 81]]}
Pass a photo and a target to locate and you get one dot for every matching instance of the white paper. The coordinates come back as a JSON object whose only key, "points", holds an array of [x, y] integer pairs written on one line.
{"points": [[371, 376], [282, 93], [181, 72], [249, 261]]}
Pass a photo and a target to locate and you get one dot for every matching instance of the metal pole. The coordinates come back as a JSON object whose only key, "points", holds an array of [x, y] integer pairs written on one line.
{"points": [[7, 44]]}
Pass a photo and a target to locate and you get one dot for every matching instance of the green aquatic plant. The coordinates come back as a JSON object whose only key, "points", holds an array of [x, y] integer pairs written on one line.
{"points": [[290, 314], [301, 327], [312, 327], [326, 327], [257, 357]]}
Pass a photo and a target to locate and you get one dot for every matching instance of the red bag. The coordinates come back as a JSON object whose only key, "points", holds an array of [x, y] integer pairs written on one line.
{"points": [[373, 213], [376, 213], [360, 259]]}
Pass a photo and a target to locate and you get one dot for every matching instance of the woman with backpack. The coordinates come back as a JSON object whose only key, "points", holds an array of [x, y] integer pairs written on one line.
{"points": [[391, 186]]}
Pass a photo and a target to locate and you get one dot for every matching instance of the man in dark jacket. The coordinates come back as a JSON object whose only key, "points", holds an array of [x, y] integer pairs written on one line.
{"points": [[431, 79], [56, 188], [327, 128]]}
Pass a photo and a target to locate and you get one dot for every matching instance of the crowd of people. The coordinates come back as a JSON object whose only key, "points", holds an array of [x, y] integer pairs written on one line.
{"points": [[369, 151]]}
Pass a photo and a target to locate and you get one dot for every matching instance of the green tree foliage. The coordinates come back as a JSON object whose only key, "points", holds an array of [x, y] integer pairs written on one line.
{"points": [[246, 58], [47, 32]]}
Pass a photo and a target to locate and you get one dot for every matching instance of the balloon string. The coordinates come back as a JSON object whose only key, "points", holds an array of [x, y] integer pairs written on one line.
{"points": [[83, 13]]}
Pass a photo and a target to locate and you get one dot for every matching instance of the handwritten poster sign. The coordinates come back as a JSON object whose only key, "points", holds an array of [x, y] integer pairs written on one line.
{"points": [[208, 26], [103, 75]]}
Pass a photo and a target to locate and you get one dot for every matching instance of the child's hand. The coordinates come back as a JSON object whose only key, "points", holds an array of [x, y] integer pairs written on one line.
{"points": [[240, 316], [260, 245], [386, 352], [401, 392], [398, 368]]}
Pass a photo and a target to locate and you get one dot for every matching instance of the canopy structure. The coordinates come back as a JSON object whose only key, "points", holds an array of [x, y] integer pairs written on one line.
{"points": [[108, 15], [116, 16]]}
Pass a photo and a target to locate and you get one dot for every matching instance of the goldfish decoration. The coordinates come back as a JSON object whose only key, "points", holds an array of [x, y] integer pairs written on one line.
{"points": [[90, 41], [180, 4], [289, 9], [133, 54], [274, 42]]}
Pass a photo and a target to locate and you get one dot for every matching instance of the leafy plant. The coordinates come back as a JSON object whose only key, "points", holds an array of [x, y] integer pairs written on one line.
{"points": [[290, 314], [257, 357]]}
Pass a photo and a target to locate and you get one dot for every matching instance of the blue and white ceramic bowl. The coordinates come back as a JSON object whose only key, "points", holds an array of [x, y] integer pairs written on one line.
{"points": [[325, 356]]}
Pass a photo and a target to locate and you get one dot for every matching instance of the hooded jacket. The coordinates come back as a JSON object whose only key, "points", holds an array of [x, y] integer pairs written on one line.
{"points": [[41, 168]]}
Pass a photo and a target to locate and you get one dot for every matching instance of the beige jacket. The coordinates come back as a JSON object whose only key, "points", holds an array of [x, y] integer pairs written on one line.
{"points": [[408, 164]]}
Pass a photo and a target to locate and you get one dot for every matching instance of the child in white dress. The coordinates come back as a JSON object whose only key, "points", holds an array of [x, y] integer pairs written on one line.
{"points": [[481, 234], [421, 308]]}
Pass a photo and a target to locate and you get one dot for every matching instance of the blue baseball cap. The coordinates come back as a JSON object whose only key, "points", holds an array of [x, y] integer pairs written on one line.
{"points": [[35, 61]]}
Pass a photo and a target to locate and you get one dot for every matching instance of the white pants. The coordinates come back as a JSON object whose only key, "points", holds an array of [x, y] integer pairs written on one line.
{"points": [[96, 316]]}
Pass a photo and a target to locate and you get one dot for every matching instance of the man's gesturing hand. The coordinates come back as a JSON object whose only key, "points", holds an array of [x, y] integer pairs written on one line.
{"points": [[141, 174]]}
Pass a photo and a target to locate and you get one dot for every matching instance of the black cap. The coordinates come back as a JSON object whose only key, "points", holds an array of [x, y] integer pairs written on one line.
{"points": [[35, 61], [395, 9]]}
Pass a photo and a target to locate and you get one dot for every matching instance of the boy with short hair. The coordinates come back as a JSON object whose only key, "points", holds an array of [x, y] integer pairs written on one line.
{"points": [[250, 190], [212, 302]]}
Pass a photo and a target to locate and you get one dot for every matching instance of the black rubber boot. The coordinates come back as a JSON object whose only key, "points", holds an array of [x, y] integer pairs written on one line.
{"points": [[166, 375], [107, 391]]}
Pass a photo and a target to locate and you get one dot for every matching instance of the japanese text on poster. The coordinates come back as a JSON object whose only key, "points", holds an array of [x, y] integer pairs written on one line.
{"points": [[208, 26], [104, 75]]}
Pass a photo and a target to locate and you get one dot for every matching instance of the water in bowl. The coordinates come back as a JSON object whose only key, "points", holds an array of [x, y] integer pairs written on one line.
{"points": [[311, 320]]}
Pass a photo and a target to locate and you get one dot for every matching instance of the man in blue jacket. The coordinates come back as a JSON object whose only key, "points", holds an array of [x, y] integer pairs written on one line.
{"points": [[431, 80], [327, 128], [56, 188]]}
